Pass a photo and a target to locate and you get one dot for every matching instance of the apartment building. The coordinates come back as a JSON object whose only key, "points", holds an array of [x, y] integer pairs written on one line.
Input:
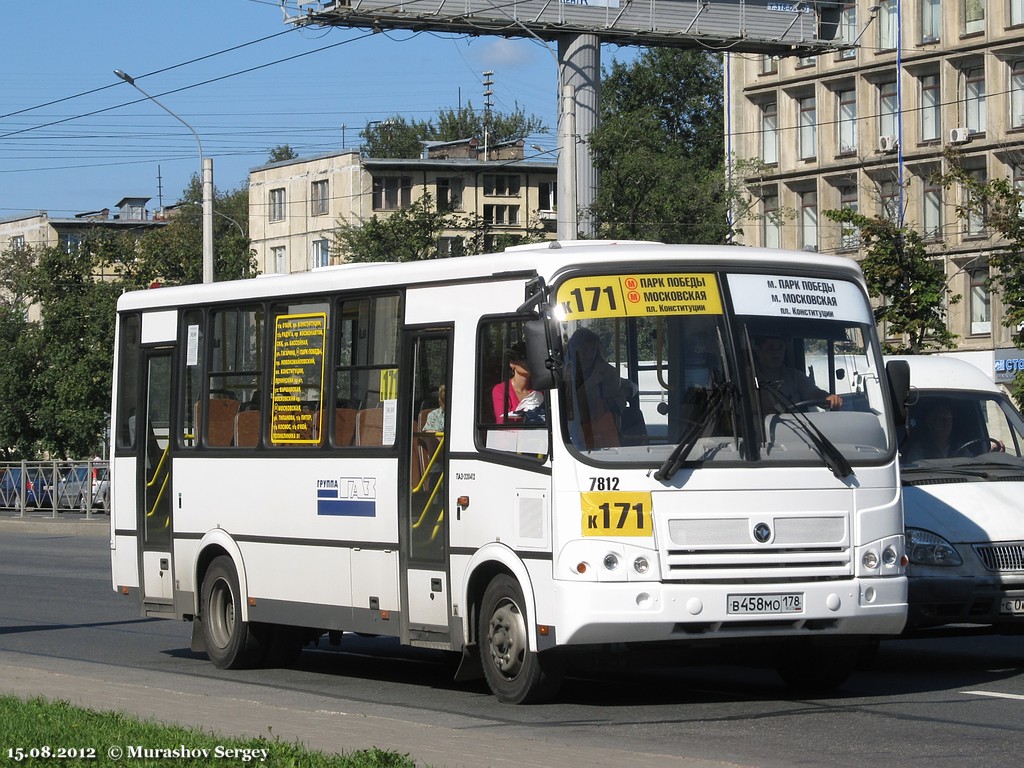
{"points": [[39, 229], [866, 128], [295, 204]]}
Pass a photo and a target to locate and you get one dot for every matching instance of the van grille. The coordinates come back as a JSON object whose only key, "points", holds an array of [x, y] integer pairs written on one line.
{"points": [[1003, 558]]}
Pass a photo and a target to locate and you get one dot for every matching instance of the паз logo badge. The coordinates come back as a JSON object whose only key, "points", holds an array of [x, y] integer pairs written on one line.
{"points": [[347, 497]]}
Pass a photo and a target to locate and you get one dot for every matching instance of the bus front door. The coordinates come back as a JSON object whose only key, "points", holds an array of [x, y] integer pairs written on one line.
{"points": [[153, 481], [424, 526]]}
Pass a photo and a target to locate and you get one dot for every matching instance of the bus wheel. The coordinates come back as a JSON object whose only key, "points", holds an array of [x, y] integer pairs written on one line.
{"points": [[515, 674], [230, 642]]}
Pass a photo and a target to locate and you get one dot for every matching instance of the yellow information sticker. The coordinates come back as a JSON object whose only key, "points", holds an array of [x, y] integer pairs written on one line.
{"points": [[640, 295], [616, 513]]}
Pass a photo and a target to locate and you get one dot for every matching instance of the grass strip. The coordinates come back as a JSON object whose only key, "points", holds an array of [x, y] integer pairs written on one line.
{"points": [[40, 732]]}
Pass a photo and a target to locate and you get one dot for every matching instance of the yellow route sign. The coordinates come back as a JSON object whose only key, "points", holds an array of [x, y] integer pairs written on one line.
{"points": [[640, 295]]}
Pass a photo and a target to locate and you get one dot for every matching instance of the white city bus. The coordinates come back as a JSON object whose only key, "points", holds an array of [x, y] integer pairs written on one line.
{"points": [[274, 480]]}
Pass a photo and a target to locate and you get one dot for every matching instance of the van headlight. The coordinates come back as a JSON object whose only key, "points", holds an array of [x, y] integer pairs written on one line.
{"points": [[927, 548]]}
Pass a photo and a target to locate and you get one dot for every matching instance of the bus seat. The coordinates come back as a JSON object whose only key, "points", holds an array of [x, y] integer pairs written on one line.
{"points": [[220, 427], [370, 426], [344, 426], [247, 428]]}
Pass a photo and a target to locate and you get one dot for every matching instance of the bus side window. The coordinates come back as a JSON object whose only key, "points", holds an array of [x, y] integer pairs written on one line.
{"points": [[511, 417]]}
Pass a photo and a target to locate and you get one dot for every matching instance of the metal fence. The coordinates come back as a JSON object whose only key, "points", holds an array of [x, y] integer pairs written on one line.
{"points": [[38, 487]]}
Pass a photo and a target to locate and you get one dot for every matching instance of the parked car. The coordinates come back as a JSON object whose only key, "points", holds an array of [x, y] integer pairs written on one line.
{"points": [[962, 466], [36, 486], [83, 483]]}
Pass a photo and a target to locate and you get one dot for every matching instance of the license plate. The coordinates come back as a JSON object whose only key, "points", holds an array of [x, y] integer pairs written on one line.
{"points": [[765, 604], [1011, 606]]}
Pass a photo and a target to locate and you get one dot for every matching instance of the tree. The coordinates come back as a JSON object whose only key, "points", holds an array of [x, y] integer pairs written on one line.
{"points": [[909, 281], [659, 149], [398, 138], [414, 234], [20, 358], [282, 152]]}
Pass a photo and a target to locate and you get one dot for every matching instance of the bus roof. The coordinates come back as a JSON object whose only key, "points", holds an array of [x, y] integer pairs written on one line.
{"points": [[545, 259]]}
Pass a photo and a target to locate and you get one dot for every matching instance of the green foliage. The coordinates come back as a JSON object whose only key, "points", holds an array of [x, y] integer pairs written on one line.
{"points": [[659, 149], [37, 722], [20, 356], [281, 152], [398, 138], [910, 282]]}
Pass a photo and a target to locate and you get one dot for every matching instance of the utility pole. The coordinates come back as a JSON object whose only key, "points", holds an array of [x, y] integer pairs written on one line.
{"points": [[488, 93]]}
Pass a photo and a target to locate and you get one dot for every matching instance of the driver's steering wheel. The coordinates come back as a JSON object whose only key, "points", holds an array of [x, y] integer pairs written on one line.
{"points": [[819, 402], [985, 445]]}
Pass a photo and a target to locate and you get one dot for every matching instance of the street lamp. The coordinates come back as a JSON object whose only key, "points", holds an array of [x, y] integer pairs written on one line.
{"points": [[206, 165]]}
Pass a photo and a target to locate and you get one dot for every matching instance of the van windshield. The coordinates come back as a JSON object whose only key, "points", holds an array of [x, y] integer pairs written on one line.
{"points": [[955, 428], [690, 370]]}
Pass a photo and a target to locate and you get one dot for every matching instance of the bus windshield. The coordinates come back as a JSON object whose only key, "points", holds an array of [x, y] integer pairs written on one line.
{"points": [[721, 368]]}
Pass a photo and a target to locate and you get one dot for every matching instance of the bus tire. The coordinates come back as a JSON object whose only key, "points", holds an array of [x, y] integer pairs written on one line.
{"points": [[230, 642], [514, 673]]}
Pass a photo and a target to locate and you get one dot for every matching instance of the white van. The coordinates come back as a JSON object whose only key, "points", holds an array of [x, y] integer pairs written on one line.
{"points": [[962, 467]]}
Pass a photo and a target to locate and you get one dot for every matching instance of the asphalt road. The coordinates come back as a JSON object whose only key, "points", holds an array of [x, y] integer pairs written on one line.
{"points": [[65, 634]]}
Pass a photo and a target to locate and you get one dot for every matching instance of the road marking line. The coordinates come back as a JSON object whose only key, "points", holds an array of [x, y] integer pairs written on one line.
{"points": [[996, 695]]}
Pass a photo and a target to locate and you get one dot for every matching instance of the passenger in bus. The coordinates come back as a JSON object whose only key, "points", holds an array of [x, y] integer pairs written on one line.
{"points": [[514, 399], [435, 419], [772, 371], [599, 393]]}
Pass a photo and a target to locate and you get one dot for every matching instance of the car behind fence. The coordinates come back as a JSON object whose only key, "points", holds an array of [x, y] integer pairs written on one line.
{"points": [[55, 487]]}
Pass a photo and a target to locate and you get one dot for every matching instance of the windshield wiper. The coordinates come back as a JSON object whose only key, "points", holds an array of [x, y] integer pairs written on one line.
{"points": [[714, 407], [832, 456]]}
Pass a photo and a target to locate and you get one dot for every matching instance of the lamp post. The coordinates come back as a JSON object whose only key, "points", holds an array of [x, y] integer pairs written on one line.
{"points": [[206, 165]]}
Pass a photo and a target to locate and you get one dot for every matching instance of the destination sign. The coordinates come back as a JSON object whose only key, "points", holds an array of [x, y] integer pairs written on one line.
{"points": [[795, 296], [639, 295], [298, 378]]}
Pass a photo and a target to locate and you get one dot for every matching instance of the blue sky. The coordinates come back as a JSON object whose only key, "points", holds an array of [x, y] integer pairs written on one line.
{"points": [[71, 140]]}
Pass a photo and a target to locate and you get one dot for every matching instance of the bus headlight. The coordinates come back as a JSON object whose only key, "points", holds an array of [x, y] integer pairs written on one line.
{"points": [[870, 560], [611, 561], [641, 566], [927, 548]]}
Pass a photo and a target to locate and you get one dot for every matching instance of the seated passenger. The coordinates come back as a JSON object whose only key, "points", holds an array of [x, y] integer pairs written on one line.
{"points": [[515, 400], [931, 434], [598, 391]]}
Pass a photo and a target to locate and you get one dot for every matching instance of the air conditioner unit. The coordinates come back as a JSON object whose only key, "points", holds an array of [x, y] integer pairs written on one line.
{"points": [[959, 135], [888, 144]]}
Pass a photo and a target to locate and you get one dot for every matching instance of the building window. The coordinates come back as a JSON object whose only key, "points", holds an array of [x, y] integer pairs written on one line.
{"points": [[850, 238], [451, 246], [1016, 12], [17, 243], [69, 242], [931, 209], [501, 184], [547, 196], [806, 61], [501, 215], [931, 124], [392, 192], [769, 64], [848, 30], [808, 128], [277, 201], [847, 121], [770, 133], [887, 109], [771, 223], [320, 253], [449, 193], [974, 16], [974, 98], [931, 20], [889, 194], [809, 220], [887, 25], [1017, 95], [981, 302], [319, 196], [974, 223], [280, 258]]}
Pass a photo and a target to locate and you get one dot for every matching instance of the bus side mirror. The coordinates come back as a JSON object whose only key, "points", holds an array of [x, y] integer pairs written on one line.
{"points": [[898, 374], [543, 353]]}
